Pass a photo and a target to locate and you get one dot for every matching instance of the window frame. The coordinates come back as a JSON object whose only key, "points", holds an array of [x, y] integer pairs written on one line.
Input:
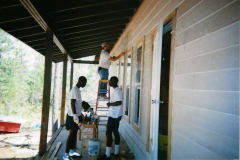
{"points": [[140, 43], [153, 34], [127, 118]]}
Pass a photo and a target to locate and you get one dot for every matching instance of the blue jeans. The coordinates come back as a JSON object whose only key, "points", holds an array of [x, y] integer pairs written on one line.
{"points": [[103, 76]]}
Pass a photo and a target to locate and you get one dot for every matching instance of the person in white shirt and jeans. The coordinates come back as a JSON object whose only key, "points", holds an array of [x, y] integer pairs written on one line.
{"points": [[114, 117], [104, 64], [73, 118]]}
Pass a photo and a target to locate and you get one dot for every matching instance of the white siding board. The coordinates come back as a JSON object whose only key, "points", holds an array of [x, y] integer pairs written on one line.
{"points": [[222, 123], [186, 7], [223, 18], [226, 102], [190, 150], [223, 80], [223, 38], [223, 59], [215, 142], [193, 16]]}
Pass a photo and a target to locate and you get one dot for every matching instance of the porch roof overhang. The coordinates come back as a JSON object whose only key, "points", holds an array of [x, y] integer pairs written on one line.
{"points": [[79, 27]]}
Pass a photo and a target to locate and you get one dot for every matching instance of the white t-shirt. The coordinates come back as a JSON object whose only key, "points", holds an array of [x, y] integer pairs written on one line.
{"points": [[103, 61], [75, 93], [115, 111]]}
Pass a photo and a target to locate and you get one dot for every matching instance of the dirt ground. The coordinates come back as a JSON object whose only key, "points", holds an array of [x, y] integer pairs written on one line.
{"points": [[23, 145]]}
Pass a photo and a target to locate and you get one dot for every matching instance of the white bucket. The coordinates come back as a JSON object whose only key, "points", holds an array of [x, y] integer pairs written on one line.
{"points": [[94, 145]]}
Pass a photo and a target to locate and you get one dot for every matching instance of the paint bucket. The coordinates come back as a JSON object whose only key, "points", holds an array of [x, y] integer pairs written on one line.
{"points": [[94, 145]]}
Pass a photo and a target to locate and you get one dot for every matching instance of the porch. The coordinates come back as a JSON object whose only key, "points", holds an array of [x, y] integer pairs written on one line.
{"points": [[56, 146]]}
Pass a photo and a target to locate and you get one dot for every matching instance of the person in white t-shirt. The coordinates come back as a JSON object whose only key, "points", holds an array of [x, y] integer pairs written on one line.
{"points": [[114, 117], [73, 118], [104, 64]]}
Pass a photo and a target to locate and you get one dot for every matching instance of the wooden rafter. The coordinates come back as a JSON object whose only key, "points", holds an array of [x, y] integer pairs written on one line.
{"points": [[42, 22]]}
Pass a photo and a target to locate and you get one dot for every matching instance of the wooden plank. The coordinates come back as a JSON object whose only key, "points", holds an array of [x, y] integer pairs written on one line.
{"points": [[63, 90], [54, 136], [46, 93], [56, 150], [50, 152], [45, 24], [71, 77], [170, 94], [85, 62]]}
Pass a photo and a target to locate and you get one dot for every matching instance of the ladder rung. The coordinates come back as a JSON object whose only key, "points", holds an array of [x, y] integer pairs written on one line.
{"points": [[104, 81], [102, 110], [102, 116]]}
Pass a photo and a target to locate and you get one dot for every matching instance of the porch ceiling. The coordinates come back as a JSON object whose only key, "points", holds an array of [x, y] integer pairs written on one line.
{"points": [[80, 26]]}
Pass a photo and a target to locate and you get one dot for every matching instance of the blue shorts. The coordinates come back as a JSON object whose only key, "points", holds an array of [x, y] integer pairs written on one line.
{"points": [[113, 123], [70, 124]]}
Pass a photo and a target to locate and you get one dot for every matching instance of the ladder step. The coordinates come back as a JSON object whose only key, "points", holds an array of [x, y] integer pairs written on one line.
{"points": [[103, 100], [102, 110], [103, 121], [102, 116]]}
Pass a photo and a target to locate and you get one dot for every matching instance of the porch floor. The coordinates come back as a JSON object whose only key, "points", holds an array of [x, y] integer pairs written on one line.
{"points": [[124, 150]]}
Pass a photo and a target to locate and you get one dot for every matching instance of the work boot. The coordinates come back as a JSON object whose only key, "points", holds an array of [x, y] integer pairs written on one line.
{"points": [[104, 157], [115, 155]]}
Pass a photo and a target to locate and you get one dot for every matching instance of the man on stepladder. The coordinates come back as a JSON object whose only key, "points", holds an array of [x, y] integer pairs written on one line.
{"points": [[104, 64], [114, 116], [73, 118]]}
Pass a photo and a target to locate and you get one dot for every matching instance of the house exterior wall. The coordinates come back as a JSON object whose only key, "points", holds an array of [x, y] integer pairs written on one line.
{"points": [[205, 95]]}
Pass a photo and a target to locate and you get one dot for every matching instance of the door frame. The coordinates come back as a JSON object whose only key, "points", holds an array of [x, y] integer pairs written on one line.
{"points": [[171, 17]]}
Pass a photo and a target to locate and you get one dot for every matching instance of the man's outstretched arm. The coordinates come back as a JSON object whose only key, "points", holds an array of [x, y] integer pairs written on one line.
{"points": [[117, 103], [116, 58]]}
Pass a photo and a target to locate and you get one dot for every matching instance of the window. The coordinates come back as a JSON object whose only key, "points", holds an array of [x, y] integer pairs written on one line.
{"points": [[128, 85], [138, 84], [121, 76]]}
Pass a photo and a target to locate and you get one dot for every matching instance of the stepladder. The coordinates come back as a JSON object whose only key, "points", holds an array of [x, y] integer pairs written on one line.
{"points": [[101, 104]]}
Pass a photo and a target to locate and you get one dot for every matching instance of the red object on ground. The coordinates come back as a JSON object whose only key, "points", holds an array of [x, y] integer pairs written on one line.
{"points": [[10, 127]]}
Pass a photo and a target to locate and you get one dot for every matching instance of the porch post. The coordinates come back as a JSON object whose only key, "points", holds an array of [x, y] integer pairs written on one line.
{"points": [[63, 89], [71, 76], [46, 92]]}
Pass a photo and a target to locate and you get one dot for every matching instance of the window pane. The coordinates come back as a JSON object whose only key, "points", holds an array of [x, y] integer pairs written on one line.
{"points": [[139, 64], [127, 100], [117, 68], [121, 71], [137, 99], [129, 69]]}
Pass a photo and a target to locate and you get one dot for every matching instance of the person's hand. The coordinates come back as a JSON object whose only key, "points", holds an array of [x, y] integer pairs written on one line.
{"points": [[122, 54], [75, 118], [108, 104]]}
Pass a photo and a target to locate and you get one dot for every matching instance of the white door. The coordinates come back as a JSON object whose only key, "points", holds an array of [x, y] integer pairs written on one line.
{"points": [[155, 92]]}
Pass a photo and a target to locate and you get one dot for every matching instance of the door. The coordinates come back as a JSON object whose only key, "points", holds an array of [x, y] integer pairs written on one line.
{"points": [[155, 92]]}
